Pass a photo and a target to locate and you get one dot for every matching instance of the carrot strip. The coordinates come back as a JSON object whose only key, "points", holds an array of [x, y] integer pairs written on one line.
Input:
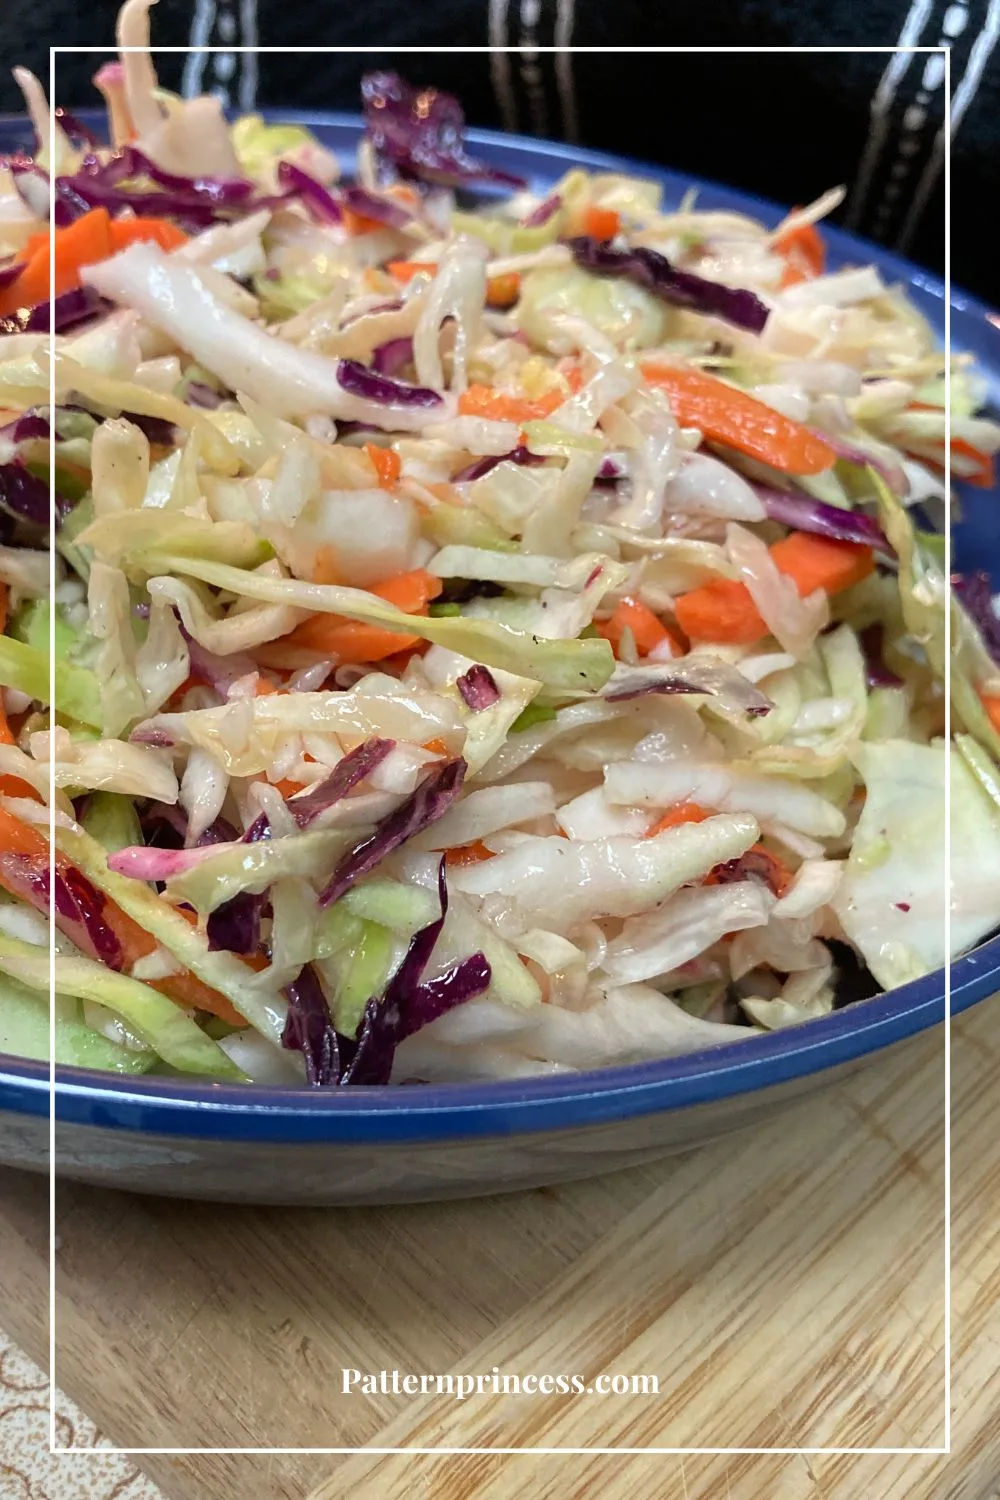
{"points": [[351, 640], [821, 562], [24, 853], [356, 223], [503, 291], [386, 462], [647, 631], [405, 270], [804, 253], [723, 610], [13, 786], [496, 406], [468, 854], [682, 812], [601, 223], [991, 703], [146, 230], [726, 415]]}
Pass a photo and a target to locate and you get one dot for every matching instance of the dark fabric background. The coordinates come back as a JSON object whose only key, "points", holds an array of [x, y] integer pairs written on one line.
{"points": [[784, 126]]}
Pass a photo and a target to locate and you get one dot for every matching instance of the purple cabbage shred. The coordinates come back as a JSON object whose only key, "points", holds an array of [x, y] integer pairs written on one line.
{"points": [[478, 688], [319, 201], [653, 271], [803, 513], [357, 380], [878, 674], [975, 593], [392, 357], [408, 1003], [430, 801], [419, 133]]}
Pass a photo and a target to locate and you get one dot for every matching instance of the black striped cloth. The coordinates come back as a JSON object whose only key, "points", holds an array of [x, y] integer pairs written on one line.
{"points": [[785, 125]]}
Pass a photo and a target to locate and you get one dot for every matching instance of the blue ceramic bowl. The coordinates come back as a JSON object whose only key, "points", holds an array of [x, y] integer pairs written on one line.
{"points": [[386, 1145]]}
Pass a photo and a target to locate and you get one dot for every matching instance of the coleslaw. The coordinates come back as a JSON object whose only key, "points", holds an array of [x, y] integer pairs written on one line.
{"points": [[495, 633]]}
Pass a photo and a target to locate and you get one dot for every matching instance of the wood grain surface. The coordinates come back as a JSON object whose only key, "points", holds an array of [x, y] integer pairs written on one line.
{"points": [[785, 1286]]}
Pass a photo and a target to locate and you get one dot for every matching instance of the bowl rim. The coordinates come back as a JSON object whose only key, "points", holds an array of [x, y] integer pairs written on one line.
{"points": [[177, 1107]]}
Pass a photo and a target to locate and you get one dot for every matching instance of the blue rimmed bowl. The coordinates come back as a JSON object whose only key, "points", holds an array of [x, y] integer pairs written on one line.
{"points": [[393, 1145]]}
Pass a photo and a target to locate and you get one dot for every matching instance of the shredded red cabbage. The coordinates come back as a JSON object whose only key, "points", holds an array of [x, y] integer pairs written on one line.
{"points": [[23, 494], [408, 1004], [358, 380], [975, 593], [390, 358], [430, 801], [543, 213], [806, 514], [878, 674], [649, 269], [67, 311], [9, 274], [419, 133], [345, 776], [319, 201], [893, 474], [371, 206], [113, 184], [235, 925], [478, 688], [486, 465], [309, 1029], [715, 680], [79, 906], [75, 129], [199, 394], [755, 864], [24, 429]]}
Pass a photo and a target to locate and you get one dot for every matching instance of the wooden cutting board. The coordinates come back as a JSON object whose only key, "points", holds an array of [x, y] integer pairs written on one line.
{"points": [[786, 1286]]}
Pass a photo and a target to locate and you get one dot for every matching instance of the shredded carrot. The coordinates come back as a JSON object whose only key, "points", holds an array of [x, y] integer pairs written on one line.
{"points": [[26, 844], [601, 223], [350, 640], [730, 416], [991, 703], [804, 253], [468, 854], [265, 687], [13, 786], [822, 562], [437, 747], [682, 812], [723, 610], [503, 291], [90, 239], [405, 270], [288, 788], [497, 406], [356, 223], [386, 462], [411, 592], [146, 230], [983, 475], [647, 631]]}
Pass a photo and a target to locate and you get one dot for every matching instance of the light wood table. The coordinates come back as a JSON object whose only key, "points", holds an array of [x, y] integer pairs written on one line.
{"points": [[785, 1285]]}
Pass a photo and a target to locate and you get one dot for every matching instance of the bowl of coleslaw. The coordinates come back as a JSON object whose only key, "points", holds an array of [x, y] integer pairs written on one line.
{"points": [[490, 724]]}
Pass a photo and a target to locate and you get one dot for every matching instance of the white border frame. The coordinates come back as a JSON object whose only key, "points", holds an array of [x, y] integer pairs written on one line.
{"points": [[912, 1452]]}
